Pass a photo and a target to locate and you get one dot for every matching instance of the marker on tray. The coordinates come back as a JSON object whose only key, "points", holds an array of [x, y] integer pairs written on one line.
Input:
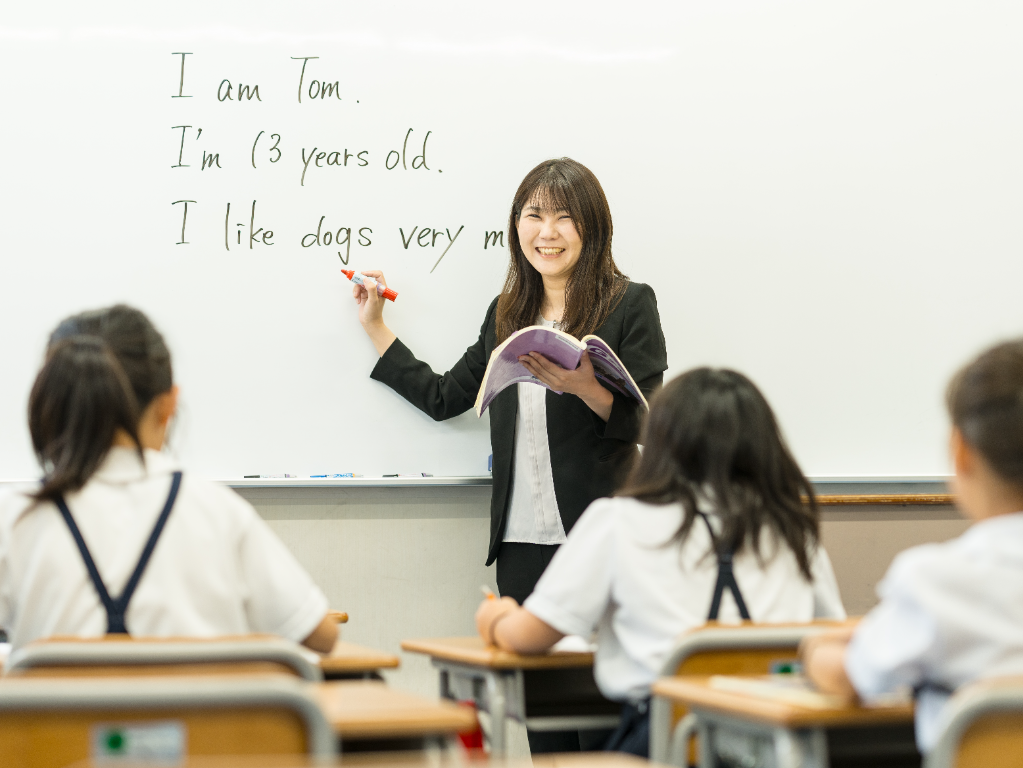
{"points": [[414, 474], [360, 279], [267, 477], [339, 474]]}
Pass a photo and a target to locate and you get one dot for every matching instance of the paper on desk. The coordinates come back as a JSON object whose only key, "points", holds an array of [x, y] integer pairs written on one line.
{"points": [[574, 644], [791, 689]]}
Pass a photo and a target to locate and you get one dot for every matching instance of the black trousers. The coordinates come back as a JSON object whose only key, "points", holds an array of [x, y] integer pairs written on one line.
{"points": [[633, 734], [519, 567]]}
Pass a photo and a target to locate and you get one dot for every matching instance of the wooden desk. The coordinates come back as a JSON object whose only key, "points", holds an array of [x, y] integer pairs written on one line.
{"points": [[349, 661], [401, 760], [222, 761], [758, 728], [590, 760], [546, 692], [369, 711]]}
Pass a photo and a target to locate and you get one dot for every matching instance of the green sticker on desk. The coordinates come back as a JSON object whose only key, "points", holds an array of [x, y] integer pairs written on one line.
{"points": [[160, 742]]}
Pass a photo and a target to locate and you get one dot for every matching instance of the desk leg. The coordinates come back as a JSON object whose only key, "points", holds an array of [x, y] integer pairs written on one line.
{"points": [[706, 758], [498, 705], [660, 728], [805, 749]]}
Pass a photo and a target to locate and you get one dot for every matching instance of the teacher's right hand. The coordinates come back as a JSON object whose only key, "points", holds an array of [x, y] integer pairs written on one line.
{"points": [[371, 311]]}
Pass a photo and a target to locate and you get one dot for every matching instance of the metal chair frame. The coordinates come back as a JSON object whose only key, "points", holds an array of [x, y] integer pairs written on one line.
{"points": [[671, 745], [964, 709], [88, 653]]}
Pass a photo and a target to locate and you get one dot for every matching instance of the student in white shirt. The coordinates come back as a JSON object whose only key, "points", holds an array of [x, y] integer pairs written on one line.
{"points": [[116, 539], [950, 613], [711, 524]]}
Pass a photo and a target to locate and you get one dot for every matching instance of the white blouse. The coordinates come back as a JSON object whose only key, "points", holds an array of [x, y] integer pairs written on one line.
{"points": [[217, 568], [949, 614], [533, 516], [615, 575]]}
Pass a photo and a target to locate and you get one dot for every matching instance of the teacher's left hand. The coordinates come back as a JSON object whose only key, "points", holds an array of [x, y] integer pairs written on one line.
{"points": [[581, 382], [577, 382]]}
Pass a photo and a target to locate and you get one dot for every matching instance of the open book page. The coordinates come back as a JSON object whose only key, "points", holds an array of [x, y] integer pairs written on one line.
{"points": [[574, 644], [610, 370], [504, 368]]}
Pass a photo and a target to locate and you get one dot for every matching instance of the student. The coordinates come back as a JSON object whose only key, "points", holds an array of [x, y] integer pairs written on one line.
{"points": [[950, 613], [171, 555], [711, 524]]}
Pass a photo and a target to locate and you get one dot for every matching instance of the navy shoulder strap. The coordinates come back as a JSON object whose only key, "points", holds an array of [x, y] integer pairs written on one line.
{"points": [[116, 609], [726, 579]]}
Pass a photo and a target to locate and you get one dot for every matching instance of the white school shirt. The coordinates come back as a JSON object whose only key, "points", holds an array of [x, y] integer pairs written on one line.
{"points": [[533, 515], [615, 575], [949, 614], [217, 568]]}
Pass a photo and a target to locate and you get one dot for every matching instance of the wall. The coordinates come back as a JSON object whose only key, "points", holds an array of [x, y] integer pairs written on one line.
{"points": [[862, 541], [403, 562], [408, 562]]}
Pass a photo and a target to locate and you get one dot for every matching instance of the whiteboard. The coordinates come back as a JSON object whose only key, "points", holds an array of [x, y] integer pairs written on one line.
{"points": [[825, 196]]}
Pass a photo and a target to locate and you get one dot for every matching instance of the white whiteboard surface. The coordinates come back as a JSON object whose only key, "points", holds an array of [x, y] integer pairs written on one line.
{"points": [[825, 196]]}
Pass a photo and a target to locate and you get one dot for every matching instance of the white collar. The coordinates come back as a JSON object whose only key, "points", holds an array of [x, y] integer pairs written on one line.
{"points": [[996, 526], [122, 466]]}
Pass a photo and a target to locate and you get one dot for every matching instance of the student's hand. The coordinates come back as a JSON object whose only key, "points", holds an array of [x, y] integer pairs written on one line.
{"points": [[823, 657], [581, 382], [489, 612], [324, 637], [371, 311]]}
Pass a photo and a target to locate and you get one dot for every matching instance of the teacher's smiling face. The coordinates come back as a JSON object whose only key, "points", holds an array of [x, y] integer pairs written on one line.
{"points": [[549, 240]]}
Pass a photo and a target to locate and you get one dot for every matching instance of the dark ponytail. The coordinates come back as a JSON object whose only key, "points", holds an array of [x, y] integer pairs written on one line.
{"points": [[985, 401], [80, 398], [710, 433]]}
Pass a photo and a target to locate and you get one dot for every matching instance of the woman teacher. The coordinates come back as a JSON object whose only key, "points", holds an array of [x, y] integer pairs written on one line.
{"points": [[553, 454]]}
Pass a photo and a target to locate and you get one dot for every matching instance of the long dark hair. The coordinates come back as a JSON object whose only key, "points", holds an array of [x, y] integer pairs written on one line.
{"points": [[102, 370], [596, 285], [985, 402], [711, 433]]}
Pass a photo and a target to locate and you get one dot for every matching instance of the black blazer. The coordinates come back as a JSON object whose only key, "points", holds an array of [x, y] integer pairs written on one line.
{"points": [[588, 457]]}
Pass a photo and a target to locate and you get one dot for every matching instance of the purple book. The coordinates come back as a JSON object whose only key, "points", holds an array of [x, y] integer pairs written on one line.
{"points": [[504, 368]]}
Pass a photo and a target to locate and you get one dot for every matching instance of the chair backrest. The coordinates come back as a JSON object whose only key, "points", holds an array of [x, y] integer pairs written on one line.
{"points": [[73, 657], [982, 725], [740, 649], [46, 723]]}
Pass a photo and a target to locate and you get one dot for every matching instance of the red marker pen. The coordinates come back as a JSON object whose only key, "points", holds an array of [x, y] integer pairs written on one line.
{"points": [[360, 279]]}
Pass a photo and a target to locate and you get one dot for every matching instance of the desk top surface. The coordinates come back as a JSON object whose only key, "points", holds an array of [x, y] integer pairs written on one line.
{"points": [[369, 709], [473, 652], [348, 657], [758, 702], [400, 760]]}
